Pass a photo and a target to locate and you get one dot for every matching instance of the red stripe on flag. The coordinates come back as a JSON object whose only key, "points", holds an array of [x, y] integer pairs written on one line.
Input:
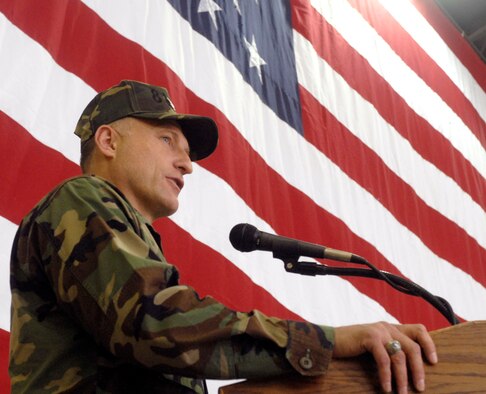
{"points": [[4, 377]]}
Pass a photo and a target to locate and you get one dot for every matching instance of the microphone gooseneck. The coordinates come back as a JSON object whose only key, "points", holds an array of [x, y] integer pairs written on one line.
{"points": [[247, 238]]}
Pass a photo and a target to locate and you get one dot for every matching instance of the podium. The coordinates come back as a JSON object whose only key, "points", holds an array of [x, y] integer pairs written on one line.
{"points": [[461, 351]]}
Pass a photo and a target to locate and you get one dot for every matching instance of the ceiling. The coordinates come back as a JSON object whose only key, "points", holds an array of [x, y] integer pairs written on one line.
{"points": [[470, 18]]}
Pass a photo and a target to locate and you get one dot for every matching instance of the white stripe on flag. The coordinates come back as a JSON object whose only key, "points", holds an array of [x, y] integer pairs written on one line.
{"points": [[7, 234]]}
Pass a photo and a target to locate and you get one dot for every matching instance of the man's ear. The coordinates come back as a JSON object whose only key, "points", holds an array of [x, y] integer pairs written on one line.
{"points": [[106, 139]]}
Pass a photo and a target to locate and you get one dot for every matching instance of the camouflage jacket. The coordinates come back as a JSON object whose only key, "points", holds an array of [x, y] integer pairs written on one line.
{"points": [[97, 308]]}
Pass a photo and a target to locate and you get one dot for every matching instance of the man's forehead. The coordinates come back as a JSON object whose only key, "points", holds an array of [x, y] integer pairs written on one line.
{"points": [[167, 124]]}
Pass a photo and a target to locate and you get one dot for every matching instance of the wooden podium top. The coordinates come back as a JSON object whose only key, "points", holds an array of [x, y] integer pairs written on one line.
{"points": [[461, 369]]}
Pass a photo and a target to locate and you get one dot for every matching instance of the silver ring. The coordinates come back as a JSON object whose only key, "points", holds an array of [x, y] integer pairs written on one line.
{"points": [[393, 347]]}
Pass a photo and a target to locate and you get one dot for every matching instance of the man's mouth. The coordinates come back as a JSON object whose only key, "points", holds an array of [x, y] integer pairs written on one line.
{"points": [[178, 182]]}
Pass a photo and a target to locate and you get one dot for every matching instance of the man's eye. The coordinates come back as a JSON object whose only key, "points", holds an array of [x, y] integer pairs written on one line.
{"points": [[167, 140]]}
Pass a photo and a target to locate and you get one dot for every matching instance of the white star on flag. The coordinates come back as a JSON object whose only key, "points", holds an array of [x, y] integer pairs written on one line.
{"points": [[236, 3], [211, 7], [255, 59]]}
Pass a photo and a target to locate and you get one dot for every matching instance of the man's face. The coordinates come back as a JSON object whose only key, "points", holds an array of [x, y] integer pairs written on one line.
{"points": [[150, 163]]}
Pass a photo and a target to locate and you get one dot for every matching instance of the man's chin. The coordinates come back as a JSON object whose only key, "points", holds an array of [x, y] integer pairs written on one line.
{"points": [[169, 210]]}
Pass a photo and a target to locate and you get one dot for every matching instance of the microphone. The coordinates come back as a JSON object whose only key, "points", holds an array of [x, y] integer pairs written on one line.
{"points": [[247, 238]]}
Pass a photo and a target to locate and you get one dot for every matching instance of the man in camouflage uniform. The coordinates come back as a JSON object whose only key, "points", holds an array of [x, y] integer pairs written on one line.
{"points": [[97, 308]]}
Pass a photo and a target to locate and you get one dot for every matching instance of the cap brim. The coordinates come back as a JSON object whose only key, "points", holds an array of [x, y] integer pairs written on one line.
{"points": [[201, 132]]}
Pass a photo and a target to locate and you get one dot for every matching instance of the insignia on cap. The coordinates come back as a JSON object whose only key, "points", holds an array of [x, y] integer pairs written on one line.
{"points": [[171, 104]]}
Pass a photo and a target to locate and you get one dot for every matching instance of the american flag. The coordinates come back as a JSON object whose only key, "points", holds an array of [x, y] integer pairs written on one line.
{"points": [[356, 124]]}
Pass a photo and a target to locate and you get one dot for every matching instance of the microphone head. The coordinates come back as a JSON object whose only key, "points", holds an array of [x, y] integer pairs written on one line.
{"points": [[243, 237]]}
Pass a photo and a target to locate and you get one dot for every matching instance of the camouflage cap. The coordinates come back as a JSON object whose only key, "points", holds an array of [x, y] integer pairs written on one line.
{"points": [[140, 100]]}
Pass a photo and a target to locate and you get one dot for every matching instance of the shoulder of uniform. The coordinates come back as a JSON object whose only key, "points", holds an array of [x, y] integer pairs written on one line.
{"points": [[86, 186], [79, 194]]}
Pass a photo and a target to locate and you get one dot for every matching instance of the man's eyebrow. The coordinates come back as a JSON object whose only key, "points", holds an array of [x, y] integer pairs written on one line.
{"points": [[161, 130]]}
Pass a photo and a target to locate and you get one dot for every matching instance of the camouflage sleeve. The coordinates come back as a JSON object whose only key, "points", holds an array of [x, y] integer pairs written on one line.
{"points": [[110, 277]]}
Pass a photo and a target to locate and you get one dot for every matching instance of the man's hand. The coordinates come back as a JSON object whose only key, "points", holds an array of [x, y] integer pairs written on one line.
{"points": [[354, 340]]}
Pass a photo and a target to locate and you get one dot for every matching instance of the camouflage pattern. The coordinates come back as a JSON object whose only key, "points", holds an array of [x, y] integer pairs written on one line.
{"points": [[144, 101], [97, 308]]}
